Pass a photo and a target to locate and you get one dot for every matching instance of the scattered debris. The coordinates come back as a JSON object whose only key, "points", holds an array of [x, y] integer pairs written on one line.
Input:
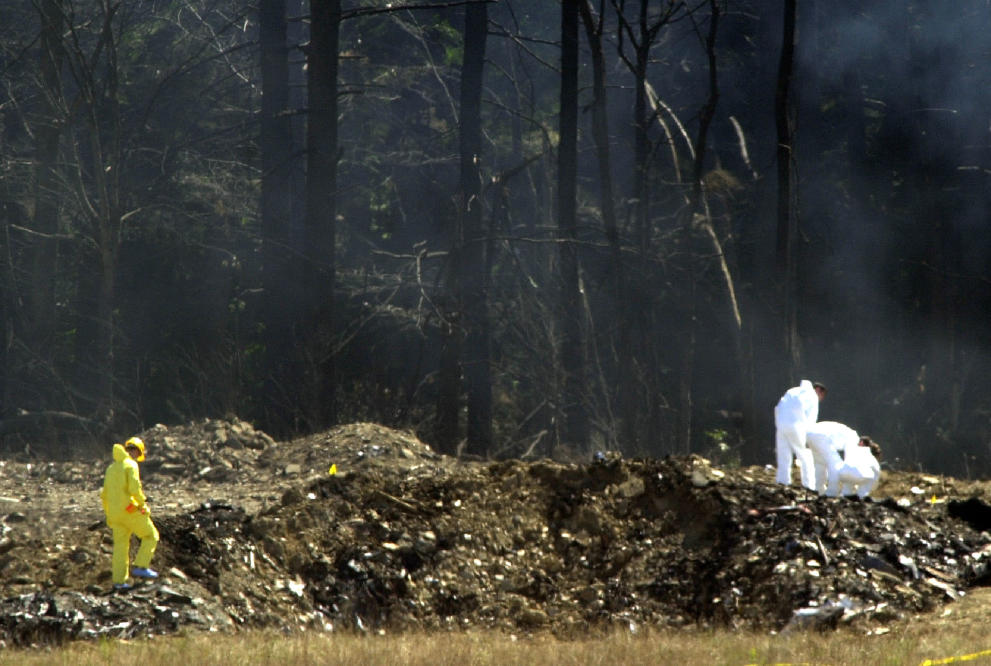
{"points": [[257, 533]]}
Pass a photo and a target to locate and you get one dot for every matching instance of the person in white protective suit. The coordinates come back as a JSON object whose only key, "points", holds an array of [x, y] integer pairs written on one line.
{"points": [[861, 469], [829, 441], [797, 409]]}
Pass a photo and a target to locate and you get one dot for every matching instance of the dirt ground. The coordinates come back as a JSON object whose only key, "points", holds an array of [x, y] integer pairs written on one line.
{"points": [[258, 533]]}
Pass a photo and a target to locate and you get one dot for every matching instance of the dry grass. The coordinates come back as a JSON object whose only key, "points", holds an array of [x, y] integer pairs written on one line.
{"points": [[483, 649]]}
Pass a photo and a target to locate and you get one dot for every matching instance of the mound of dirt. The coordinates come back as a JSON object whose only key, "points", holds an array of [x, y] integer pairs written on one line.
{"points": [[258, 533]]}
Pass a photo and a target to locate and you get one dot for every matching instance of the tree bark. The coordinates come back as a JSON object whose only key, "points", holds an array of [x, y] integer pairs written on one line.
{"points": [[9, 213], [321, 206], [297, 33], [447, 429], [621, 310], [641, 32], [99, 164], [280, 308], [474, 267], [699, 210], [641, 143], [571, 360], [786, 233], [40, 325]]}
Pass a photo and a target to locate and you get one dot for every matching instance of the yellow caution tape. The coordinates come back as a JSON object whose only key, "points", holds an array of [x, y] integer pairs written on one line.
{"points": [[927, 662], [951, 660], [333, 469]]}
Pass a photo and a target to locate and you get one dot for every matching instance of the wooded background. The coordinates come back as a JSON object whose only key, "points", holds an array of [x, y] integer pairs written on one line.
{"points": [[518, 227]]}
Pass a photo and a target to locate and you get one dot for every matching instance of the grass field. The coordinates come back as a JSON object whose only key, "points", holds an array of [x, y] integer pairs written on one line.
{"points": [[971, 645]]}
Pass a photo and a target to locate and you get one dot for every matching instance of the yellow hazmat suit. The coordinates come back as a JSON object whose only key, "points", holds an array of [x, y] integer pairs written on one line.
{"points": [[127, 514]]}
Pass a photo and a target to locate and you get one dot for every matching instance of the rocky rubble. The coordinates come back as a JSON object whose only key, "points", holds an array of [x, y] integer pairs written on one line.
{"points": [[257, 533]]}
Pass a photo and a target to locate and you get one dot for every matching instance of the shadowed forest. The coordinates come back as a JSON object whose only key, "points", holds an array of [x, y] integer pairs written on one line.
{"points": [[517, 228]]}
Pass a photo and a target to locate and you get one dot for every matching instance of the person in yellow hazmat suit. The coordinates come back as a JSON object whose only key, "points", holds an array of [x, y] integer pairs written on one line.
{"points": [[124, 504]]}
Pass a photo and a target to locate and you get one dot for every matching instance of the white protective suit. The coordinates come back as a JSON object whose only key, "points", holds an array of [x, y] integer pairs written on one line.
{"points": [[828, 440], [859, 472], [797, 409]]}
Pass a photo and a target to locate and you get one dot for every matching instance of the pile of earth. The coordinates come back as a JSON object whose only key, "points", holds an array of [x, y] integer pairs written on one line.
{"points": [[260, 534]]}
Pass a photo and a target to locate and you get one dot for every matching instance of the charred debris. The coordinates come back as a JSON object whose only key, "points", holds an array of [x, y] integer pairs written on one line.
{"points": [[260, 534]]}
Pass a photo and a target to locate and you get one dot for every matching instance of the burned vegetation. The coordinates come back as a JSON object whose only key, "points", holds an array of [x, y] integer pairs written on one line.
{"points": [[259, 534]]}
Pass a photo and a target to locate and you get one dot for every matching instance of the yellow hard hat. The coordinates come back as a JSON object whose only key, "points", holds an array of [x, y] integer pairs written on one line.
{"points": [[139, 444]]}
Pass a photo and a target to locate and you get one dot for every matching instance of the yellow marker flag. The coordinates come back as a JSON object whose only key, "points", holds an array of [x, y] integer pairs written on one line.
{"points": [[333, 469]]}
